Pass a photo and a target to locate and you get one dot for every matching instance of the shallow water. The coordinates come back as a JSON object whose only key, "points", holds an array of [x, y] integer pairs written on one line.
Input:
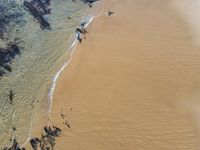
{"points": [[34, 69]]}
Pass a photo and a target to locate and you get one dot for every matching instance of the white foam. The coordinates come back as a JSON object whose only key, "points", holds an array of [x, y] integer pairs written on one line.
{"points": [[30, 131], [72, 47], [51, 91], [89, 21], [52, 88]]}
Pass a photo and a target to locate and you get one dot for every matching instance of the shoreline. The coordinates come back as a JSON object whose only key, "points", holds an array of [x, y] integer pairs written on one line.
{"points": [[92, 15], [71, 50], [77, 87]]}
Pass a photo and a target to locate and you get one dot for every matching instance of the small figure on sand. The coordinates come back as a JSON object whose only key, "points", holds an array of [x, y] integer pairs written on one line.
{"points": [[79, 37], [110, 13]]}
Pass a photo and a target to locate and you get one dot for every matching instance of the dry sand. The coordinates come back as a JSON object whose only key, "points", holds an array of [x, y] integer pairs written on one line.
{"points": [[133, 84]]}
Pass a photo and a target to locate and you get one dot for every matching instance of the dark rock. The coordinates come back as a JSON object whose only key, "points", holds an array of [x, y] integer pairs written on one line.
{"points": [[14, 146], [47, 140], [8, 54], [14, 129], [57, 130], [38, 9], [11, 95], [34, 143], [89, 1], [81, 30]]}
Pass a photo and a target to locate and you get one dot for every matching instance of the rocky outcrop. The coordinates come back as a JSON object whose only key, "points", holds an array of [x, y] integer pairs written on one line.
{"points": [[7, 55], [47, 140], [14, 146], [11, 20]]}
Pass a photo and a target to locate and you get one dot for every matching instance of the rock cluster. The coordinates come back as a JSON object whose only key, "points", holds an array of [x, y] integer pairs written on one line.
{"points": [[47, 140], [7, 54], [14, 146]]}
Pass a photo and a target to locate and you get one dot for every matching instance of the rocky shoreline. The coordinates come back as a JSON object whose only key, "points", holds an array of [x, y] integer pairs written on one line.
{"points": [[47, 140]]}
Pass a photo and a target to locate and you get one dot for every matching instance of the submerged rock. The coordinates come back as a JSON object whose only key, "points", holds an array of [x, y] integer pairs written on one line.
{"points": [[90, 1], [7, 55], [14, 146], [38, 9]]}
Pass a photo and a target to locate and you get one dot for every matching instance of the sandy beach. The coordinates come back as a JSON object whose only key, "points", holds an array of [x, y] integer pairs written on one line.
{"points": [[132, 84]]}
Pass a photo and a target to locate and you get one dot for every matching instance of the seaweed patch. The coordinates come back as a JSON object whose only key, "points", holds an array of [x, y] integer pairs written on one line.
{"points": [[39, 10]]}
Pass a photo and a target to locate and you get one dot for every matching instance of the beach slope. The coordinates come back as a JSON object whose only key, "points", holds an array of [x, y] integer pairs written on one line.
{"points": [[130, 83]]}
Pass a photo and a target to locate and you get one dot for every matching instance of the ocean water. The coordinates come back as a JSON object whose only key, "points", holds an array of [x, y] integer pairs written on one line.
{"points": [[44, 54]]}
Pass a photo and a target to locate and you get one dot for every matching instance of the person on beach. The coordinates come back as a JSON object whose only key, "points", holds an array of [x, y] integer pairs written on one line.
{"points": [[83, 24], [81, 30], [80, 33], [79, 37]]}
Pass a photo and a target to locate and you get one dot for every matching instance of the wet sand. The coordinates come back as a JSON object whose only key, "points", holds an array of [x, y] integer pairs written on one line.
{"points": [[132, 84]]}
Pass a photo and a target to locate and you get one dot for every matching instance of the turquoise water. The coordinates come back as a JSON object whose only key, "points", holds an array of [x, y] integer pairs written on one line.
{"points": [[44, 53]]}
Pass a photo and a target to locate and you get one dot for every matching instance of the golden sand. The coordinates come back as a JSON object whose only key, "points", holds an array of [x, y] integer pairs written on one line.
{"points": [[133, 84]]}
